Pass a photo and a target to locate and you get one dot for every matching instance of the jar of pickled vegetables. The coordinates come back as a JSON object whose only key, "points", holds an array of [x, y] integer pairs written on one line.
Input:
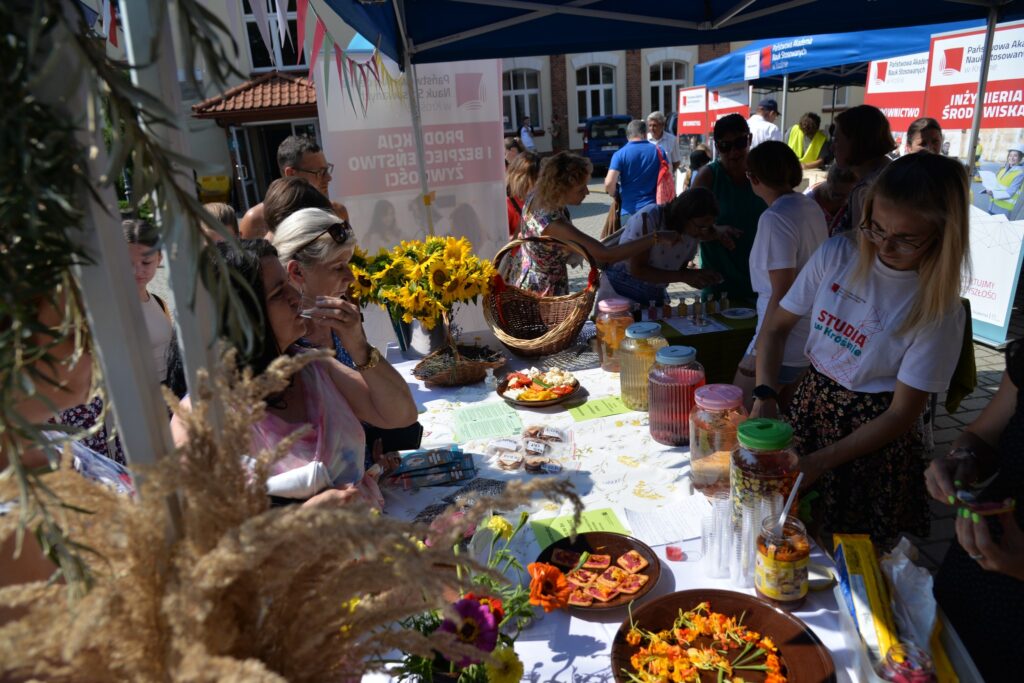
{"points": [[673, 379], [763, 465], [717, 412], [780, 569], [613, 317], [636, 356]]}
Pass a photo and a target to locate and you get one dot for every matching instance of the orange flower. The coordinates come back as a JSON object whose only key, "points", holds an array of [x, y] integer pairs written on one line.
{"points": [[548, 587]]}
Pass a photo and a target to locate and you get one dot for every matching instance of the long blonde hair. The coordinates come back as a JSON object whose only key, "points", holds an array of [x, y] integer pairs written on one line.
{"points": [[559, 174], [934, 188]]}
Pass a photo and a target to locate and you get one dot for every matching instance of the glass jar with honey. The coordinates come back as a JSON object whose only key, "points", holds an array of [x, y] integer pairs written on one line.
{"points": [[636, 356], [613, 317], [717, 412], [780, 569]]}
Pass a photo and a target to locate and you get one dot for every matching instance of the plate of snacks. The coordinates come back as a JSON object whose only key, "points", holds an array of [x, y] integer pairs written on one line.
{"points": [[725, 634], [536, 388], [604, 569]]}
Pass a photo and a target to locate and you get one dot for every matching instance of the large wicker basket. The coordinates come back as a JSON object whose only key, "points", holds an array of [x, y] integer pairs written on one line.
{"points": [[530, 324]]}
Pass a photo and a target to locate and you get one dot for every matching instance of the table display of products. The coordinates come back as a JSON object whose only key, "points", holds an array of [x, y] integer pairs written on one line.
{"points": [[717, 413], [672, 381], [636, 356]]}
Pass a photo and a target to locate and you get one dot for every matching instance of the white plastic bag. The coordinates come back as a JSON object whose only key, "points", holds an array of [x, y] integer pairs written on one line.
{"points": [[913, 604]]}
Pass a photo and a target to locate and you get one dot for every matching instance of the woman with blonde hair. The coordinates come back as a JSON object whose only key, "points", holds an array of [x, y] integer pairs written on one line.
{"points": [[886, 326], [542, 267]]}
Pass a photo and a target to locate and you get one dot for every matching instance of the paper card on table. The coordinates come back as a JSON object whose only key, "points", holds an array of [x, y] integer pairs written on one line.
{"points": [[485, 421], [687, 327], [598, 407], [668, 524], [547, 531]]}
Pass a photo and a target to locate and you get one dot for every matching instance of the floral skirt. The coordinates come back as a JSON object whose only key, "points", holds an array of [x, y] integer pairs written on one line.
{"points": [[86, 417], [880, 493]]}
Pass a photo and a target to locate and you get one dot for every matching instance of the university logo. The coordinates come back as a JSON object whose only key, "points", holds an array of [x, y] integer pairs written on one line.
{"points": [[766, 57], [951, 61], [469, 91], [844, 293], [881, 69]]}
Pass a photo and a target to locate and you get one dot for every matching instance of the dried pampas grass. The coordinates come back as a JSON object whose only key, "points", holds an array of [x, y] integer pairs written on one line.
{"points": [[200, 580]]}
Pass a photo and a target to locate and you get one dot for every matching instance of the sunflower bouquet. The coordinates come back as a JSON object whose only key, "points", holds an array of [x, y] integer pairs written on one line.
{"points": [[422, 280]]}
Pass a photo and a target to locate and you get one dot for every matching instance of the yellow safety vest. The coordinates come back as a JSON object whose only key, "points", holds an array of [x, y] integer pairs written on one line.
{"points": [[796, 143], [1005, 177]]}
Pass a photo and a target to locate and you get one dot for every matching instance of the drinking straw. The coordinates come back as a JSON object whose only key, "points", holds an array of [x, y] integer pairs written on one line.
{"points": [[789, 503]]}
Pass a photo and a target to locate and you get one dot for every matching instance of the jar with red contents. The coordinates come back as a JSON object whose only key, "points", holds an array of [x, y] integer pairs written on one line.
{"points": [[613, 317], [672, 381]]}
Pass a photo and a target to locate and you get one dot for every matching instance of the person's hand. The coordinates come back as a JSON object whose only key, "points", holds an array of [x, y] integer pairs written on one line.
{"points": [[340, 496], [761, 408], [1005, 556], [959, 468], [701, 278], [342, 316], [812, 470], [728, 235]]}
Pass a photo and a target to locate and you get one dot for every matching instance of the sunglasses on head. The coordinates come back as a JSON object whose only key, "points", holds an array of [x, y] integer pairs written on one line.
{"points": [[340, 232], [728, 146]]}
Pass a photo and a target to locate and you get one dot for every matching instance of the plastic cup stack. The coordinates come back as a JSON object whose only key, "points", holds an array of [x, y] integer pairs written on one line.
{"points": [[744, 552], [716, 537]]}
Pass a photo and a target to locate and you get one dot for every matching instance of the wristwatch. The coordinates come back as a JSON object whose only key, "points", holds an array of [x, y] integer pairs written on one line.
{"points": [[763, 392], [371, 361]]}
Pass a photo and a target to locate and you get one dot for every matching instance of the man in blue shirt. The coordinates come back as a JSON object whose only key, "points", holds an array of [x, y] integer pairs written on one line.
{"points": [[635, 167]]}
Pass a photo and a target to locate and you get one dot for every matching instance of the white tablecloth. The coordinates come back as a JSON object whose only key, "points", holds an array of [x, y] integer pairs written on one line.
{"points": [[616, 464]]}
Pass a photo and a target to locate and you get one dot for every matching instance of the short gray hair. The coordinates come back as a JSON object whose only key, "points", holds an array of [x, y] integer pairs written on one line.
{"points": [[636, 129], [303, 237], [656, 116]]}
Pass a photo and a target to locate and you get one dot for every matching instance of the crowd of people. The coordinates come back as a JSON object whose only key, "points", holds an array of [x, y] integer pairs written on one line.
{"points": [[856, 284]]}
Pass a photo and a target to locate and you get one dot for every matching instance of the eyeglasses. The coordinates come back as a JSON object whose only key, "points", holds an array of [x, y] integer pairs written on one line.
{"points": [[319, 173], [728, 146], [899, 245], [340, 232]]}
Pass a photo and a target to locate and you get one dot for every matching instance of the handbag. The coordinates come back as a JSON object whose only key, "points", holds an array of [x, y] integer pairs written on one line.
{"points": [[613, 221], [666, 189]]}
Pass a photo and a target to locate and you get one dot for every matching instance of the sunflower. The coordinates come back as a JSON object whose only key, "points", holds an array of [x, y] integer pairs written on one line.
{"points": [[438, 274], [457, 250], [503, 666]]}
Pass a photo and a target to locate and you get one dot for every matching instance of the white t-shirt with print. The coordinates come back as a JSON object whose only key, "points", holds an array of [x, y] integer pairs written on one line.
{"points": [[853, 336], [787, 234]]}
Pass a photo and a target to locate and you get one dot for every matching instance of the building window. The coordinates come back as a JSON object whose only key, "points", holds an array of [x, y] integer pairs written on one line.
{"points": [[666, 79], [284, 53], [595, 91], [841, 98], [521, 97]]}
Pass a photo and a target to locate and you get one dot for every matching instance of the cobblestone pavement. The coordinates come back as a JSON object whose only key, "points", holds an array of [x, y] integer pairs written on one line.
{"points": [[589, 217]]}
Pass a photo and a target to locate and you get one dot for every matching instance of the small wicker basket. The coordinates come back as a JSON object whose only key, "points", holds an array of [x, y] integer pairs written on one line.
{"points": [[462, 371], [530, 324]]}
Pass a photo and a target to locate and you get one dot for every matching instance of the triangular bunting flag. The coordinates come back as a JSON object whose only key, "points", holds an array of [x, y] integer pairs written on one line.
{"points": [[259, 10], [282, 21], [300, 24], [318, 43]]}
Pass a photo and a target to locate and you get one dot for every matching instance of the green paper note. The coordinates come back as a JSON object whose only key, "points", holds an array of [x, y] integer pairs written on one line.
{"points": [[547, 531], [598, 407], [486, 421]]}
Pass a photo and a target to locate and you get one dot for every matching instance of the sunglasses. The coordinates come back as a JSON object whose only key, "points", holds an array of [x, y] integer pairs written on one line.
{"points": [[728, 146], [340, 232], [319, 173]]}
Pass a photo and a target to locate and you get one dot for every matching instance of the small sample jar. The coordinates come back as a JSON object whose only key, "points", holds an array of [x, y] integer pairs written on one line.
{"points": [[672, 381], [907, 663], [717, 412], [636, 356], [763, 465], [780, 569], [613, 317]]}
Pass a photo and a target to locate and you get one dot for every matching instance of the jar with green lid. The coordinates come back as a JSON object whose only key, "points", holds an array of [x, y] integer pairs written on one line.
{"points": [[636, 356], [764, 464]]}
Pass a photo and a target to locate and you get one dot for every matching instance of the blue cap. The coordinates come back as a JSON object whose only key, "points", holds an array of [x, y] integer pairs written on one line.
{"points": [[676, 355], [643, 330], [769, 104]]}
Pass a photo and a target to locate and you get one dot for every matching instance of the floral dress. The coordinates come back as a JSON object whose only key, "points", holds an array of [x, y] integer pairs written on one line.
{"points": [[541, 268]]}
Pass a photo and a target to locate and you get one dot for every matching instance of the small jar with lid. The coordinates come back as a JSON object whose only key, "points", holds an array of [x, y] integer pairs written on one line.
{"points": [[613, 317], [672, 381], [636, 356], [765, 464], [717, 412], [780, 569], [907, 663]]}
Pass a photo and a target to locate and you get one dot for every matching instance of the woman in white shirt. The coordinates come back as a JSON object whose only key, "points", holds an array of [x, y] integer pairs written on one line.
{"points": [[886, 331], [787, 234]]}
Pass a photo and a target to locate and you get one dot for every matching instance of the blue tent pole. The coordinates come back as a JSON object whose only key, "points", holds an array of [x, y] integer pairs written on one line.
{"points": [[979, 103]]}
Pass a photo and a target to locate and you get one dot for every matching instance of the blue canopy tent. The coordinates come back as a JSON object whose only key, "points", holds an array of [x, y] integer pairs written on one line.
{"points": [[818, 60]]}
